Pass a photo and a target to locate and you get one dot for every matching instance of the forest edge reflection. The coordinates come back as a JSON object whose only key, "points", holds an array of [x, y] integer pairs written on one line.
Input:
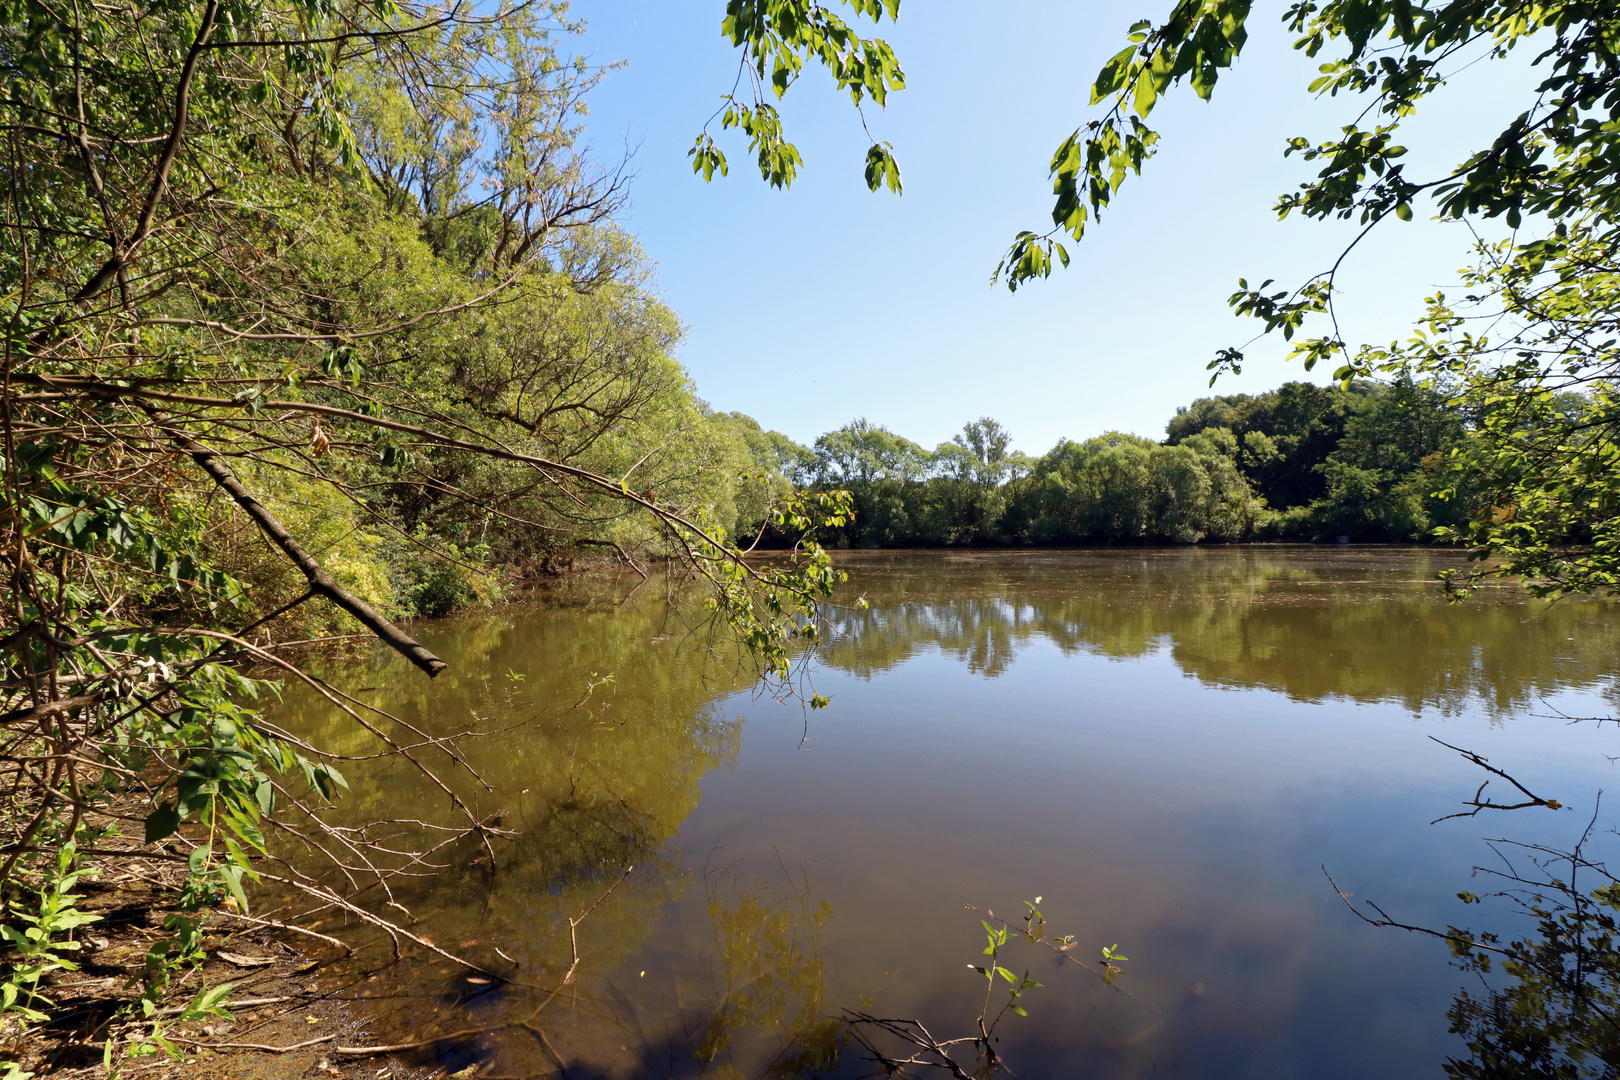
{"points": [[1121, 605], [1298, 620]]}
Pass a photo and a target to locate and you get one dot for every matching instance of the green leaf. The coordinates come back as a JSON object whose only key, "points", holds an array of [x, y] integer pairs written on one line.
{"points": [[233, 881], [162, 822]]}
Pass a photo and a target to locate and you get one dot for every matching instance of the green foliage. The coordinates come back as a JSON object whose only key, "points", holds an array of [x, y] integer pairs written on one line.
{"points": [[1534, 482], [972, 490], [1373, 460], [777, 38], [1122, 488], [1366, 461], [1017, 985], [35, 938], [1361, 505], [764, 466], [772, 622]]}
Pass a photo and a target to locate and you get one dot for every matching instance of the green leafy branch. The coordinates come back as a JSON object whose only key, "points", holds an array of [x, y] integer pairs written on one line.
{"points": [[777, 38], [36, 942], [1196, 42]]}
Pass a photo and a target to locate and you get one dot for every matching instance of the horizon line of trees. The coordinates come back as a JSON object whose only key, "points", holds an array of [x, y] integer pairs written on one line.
{"points": [[1371, 461]]}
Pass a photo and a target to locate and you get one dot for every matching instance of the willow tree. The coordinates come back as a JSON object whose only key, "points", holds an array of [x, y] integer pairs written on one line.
{"points": [[344, 256]]}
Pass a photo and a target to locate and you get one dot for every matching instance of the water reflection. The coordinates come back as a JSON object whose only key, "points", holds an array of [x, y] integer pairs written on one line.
{"points": [[590, 781], [1362, 625], [1169, 743]]}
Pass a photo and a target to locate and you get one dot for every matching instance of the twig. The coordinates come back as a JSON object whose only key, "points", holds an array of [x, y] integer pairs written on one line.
{"points": [[389, 1048], [252, 1046], [1534, 799], [277, 924], [1452, 937]]}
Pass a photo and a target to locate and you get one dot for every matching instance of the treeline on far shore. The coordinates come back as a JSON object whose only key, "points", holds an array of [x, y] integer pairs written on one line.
{"points": [[1371, 461]]}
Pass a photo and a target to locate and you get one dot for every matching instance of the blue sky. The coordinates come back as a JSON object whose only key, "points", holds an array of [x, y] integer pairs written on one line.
{"points": [[810, 307]]}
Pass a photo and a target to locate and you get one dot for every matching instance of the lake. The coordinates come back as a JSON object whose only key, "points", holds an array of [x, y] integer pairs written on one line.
{"points": [[1167, 746]]}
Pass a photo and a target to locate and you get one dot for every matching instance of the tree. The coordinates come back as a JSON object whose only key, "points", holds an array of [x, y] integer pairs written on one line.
{"points": [[1121, 487], [987, 441], [308, 307], [1551, 176], [861, 453]]}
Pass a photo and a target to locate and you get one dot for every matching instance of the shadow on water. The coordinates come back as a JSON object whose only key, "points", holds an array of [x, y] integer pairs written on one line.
{"points": [[603, 725]]}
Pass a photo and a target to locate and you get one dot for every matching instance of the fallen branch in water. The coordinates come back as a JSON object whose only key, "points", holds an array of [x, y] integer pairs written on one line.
{"points": [[1532, 797], [931, 1052]]}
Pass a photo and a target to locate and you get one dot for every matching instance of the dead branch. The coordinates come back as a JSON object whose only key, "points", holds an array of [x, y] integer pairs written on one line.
{"points": [[1478, 805], [1451, 936]]}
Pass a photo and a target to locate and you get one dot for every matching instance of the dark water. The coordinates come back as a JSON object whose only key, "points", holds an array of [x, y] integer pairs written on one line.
{"points": [[1166, 746]]}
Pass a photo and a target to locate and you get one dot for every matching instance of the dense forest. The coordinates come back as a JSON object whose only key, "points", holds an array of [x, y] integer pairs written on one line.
{"points": [[1369, 461]]}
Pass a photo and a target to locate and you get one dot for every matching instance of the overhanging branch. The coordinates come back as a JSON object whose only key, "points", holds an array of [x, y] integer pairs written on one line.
{"points": [[319, 580]]}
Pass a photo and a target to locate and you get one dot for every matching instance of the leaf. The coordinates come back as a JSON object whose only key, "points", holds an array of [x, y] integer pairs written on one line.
{"points": [[1112, 75], [162, 822], [882, 169], [233, 881], [209, 1002]]}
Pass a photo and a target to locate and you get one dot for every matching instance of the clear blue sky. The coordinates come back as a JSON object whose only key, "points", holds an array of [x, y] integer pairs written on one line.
{"points": [[810, 307]]}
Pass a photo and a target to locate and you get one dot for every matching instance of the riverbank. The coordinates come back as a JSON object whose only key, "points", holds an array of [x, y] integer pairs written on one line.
{"points": [[287, 1011]]}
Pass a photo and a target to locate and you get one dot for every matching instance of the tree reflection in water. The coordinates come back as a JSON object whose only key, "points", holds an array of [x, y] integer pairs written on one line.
{"points": [[1545, 1005], [1307, 623], [590, 790], [760, 995]]}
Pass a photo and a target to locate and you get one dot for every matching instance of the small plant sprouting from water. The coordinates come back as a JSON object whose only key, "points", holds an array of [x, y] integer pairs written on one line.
{"points": [[1017, 985], [922, 1048], [594, 683]]}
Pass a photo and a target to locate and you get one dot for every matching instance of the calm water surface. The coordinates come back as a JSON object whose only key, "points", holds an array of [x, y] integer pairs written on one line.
{"points": [[1167, 746]]}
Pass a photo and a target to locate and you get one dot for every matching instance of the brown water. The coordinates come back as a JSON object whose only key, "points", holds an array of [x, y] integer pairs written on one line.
{"points": [[1167, 746]]}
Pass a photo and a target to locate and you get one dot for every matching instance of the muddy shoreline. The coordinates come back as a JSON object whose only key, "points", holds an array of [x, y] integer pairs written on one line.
{"points": [[292, 1012]]}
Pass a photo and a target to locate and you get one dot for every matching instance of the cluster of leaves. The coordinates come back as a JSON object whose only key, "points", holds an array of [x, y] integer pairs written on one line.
{"points": [[38, 942], [777, 38]]}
